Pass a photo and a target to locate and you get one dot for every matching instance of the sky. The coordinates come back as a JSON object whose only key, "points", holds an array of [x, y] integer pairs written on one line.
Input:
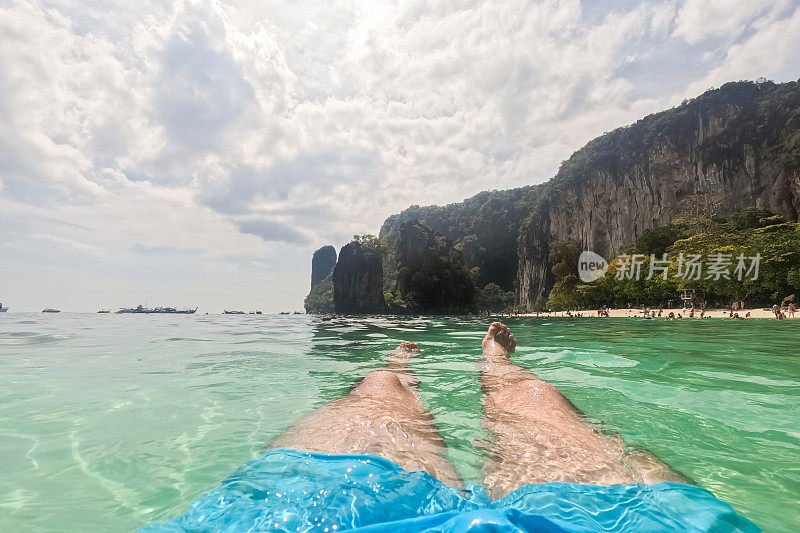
{"points": [[196, 153]]}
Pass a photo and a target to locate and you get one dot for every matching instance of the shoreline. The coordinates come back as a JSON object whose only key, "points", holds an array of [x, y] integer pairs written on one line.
{"points": [[637, 313]]}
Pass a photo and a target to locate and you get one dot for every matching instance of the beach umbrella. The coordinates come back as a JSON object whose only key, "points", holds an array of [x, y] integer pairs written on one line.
{"points": [[789, 298]]}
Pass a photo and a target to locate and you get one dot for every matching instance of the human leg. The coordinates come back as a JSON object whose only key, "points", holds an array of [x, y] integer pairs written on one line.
{"points": [[381, 416], [538, 436]]}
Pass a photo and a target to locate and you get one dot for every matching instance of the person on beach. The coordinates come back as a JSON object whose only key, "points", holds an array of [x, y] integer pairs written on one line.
{"points": [[375, 459]]}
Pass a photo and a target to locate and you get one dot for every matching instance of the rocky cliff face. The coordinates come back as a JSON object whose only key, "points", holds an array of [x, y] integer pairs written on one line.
{"points": [[358, 280], [322, 264], [483, 228], [431, 275], [320, 297], [731, 148]]}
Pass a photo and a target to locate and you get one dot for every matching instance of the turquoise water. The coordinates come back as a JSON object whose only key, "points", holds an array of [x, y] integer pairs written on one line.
{"points": [[112, 422]]}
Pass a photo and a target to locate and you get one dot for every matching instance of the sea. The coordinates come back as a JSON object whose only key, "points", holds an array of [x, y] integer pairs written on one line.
{"points": [[111, 422]]}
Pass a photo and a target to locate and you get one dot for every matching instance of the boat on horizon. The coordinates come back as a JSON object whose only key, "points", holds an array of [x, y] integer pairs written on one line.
{"points": [[226, 312], [104, 311], [49, 310], [3, 309], [139, 309]]}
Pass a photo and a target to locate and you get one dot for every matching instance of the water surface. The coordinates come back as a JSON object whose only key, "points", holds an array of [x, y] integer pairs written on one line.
{"points": [[110, 422]]}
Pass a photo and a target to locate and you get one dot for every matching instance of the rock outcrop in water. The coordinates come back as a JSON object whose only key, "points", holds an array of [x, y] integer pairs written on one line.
{"points": [[322, 264], [431, 276], [484, 228], [358, 279], [320, 298], [731, 148]]}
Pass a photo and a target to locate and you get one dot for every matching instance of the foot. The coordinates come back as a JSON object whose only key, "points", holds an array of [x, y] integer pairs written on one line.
{"points": [[499, 340], [407, 348], [398, 361]]}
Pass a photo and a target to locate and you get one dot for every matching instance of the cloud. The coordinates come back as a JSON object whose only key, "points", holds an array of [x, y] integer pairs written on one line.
{"points": [[270, 230], [200, 91], [755, 56], [704, 19], [132, 132]]}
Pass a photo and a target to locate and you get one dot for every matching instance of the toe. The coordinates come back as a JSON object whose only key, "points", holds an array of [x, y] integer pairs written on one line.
{"points": [[502, 335], [506, 338], [499, 336], [407, 347]]}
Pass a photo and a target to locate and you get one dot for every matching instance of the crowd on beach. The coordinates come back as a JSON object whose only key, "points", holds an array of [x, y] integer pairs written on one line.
{"points": [[736, 310]]}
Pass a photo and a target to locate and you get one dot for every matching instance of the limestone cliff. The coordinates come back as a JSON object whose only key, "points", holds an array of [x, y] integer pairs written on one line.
{"points": [[358, 280], [730, 148], [320, 297], [431, 276], [322, 263], [484, 228]]}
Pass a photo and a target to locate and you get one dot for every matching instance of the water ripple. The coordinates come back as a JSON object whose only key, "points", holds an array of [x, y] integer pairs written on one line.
{"points": [[112, 422]]}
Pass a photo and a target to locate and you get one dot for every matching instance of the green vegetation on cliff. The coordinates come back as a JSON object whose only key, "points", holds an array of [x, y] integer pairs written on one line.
{"points": [[746, 234], [428, 274], [730, 148], [320, 299], [358, 277], [431, 275], [484, 228]]}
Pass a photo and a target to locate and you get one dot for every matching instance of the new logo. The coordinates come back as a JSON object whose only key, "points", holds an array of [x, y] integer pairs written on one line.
{"points": [[591, 266]]}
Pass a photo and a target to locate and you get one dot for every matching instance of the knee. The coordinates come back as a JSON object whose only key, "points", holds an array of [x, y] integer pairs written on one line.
{"points": [[530, 387], [526, 393], [379, 382]]}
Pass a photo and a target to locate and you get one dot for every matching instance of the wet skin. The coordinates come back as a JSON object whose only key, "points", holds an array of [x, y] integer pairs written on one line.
{"points": [[537, 435], [382, 415]]}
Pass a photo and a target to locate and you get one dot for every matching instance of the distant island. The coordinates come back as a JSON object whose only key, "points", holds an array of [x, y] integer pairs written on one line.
{"points": [[719, 174]]}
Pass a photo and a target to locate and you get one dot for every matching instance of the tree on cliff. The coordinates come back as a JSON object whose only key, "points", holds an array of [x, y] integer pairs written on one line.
{"points": [[320, 299], [745, 233], [563, 259], [493, 299], [776, 241], [483, 228], [358, 277], [431, 275]]}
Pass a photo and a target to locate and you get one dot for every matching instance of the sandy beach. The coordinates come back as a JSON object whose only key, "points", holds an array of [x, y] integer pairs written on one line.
{"points": [[637, 313]]}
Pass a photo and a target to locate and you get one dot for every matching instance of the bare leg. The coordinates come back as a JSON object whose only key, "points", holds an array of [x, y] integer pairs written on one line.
{"points": [[539, 436], [381, 416]]}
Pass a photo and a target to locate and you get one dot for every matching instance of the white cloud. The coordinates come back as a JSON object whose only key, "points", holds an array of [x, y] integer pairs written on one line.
{"points": [[768, 52], [703, 19], [240, 135]]}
